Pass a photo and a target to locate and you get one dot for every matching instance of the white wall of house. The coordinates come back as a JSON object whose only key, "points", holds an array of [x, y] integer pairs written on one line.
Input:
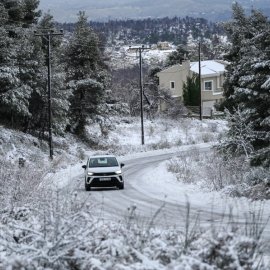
{"points": [[172, 78], [212, 78], [215, 93]]}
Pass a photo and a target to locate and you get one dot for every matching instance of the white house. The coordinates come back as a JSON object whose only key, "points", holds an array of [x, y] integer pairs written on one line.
{"points": [[212, 78]]}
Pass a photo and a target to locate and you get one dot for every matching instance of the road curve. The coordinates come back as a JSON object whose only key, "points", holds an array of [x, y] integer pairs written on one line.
{"points": [[145, 208], [133, 203]]}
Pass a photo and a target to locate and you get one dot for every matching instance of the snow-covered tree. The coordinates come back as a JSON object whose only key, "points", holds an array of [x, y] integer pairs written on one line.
{"points": [[17, 61], [21, 12], [240, 136], [59, 93], [247, 84], [177, 56], [30, 12], [23, 65], [86, 73], [16, 79]]}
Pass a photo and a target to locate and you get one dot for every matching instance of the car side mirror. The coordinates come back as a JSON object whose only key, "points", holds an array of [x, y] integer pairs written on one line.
{"points": [[122, 165], [84, 166]]}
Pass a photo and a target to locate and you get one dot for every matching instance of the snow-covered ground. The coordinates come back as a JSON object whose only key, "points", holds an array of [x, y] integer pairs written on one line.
{"points": [[125, 57], [161, 133], [50, 231]]}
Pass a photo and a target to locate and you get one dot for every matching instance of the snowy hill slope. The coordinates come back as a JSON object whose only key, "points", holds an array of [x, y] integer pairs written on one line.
{"points": [[16, 144], [122, 139], [45, 229]]}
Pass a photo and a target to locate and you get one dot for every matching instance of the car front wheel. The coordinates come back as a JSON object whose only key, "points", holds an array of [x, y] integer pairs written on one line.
{"points": [[87, 187], [121, 186]]}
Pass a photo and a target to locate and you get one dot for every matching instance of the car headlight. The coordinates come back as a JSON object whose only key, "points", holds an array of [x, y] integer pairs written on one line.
{"points": [[118, 172], [90, 173]]}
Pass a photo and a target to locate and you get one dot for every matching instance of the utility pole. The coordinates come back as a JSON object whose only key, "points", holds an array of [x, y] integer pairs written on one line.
{"points": [[140, 50], [200, 86], [47, 34], [141, 93]]}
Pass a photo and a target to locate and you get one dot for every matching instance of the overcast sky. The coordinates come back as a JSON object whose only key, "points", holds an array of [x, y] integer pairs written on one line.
{"points": [[67, 10]]}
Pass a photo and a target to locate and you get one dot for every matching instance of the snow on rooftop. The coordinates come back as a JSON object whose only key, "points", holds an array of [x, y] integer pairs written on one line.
{"points": [[208, 67]]}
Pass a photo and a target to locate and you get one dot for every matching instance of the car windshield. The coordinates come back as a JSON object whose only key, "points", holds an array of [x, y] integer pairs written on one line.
{"points": [[103, 162]]}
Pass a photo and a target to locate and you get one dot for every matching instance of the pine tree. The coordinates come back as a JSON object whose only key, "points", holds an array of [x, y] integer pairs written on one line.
{"points": [[30, 12], [16, 65], [21, 13], [238, 32], [86, 74], [177, 56], [191, 92], [23, 76], [247, 85], [59, 93]]}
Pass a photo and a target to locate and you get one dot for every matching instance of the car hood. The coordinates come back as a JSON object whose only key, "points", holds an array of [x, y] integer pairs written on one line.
{"points": [[104, 169]]}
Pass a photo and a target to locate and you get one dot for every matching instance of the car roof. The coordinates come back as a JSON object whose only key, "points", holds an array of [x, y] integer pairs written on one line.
{"points": [[101, 156]]}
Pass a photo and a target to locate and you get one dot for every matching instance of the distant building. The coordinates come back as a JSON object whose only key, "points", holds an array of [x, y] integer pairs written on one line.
{"points": [[134, 49], [212, 78], [163, 45]]}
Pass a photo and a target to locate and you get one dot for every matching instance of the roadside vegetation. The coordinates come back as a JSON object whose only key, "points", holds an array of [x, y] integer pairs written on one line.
{"points": [[41, 228], [213, 172], [50, 231]]}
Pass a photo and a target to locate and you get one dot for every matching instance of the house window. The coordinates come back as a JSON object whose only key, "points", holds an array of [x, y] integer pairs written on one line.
{"points": [[208, 85], [172, 85]]}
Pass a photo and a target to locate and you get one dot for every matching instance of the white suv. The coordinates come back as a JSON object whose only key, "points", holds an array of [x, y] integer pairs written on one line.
{"points": [[103, 171]]}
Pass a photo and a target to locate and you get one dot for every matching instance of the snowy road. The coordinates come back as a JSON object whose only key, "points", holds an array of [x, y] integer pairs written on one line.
{"points": [[151, 194]]}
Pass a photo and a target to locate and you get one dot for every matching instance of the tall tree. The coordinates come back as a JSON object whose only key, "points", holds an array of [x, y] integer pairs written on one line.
{"points": [[17, 62], [23, 66], [247, 85], [86, 74], [191, 91], [59, 94]]}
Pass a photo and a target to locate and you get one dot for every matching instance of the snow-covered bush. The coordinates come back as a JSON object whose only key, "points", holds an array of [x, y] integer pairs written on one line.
{"points": [[123, 135], [207, 137], [162, 144], [18, 184], [175, 109], [258, 175], [227, 250], [258, 180], [239, 137], [181, 167], [47, 239], [65, 234], [222, 172], [211, 170], [234, 176]]}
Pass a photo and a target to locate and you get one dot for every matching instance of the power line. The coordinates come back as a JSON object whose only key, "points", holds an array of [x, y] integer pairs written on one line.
{"points": [[200, 86], [47, 34], [140, 50]]}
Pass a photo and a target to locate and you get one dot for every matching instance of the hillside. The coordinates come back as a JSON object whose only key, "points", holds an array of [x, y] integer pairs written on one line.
{"points": [[118, 35], [150, 31]]}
